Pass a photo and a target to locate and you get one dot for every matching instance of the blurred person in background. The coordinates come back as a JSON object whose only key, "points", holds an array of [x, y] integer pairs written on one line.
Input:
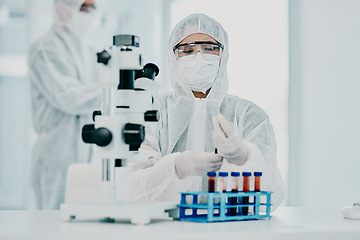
{"points": [[64, 87]]}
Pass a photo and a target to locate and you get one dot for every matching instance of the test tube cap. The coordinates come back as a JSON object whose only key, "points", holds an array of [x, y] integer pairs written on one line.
{"points": [[257, 174], [235, 174], [211, 174], [246, 174], [223, 174]]}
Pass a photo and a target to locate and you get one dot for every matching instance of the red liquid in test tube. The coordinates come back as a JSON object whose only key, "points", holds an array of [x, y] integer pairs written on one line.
{"points": [[257, 187], [234, 188], [211, 181], [246, 188], [257, 181]]}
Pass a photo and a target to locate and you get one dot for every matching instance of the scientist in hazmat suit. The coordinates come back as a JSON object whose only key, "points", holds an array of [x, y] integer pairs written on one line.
{"points": [[197, 117], [64, 91]]}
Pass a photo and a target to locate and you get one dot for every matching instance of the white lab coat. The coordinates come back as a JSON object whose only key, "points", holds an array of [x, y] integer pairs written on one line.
{"points": [[185, 124], [65, 90]]}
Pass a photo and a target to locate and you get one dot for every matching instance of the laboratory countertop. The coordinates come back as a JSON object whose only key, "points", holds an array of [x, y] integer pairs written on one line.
{"points": [[286, 223]]}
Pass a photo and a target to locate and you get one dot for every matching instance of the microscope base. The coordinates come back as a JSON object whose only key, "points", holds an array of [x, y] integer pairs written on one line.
{"points": [[139, 213]]}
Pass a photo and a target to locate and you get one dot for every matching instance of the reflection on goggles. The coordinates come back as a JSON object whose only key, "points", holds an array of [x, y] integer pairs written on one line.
{"points": [[191, 48]]}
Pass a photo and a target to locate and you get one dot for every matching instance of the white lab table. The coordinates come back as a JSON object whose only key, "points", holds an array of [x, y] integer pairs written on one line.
{"points": [[289, 223]]}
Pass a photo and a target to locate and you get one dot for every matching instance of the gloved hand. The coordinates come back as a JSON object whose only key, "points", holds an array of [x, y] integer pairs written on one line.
{"points": [[196, 163], [228, 142]]}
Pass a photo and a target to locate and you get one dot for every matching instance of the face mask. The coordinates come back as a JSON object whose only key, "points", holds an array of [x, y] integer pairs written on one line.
{"points": [[199, 73], [82, 23]]}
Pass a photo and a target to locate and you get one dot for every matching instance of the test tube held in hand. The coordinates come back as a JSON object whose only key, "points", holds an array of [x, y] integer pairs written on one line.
{"points": [[211, 181], [246, 188], [234, 189]]}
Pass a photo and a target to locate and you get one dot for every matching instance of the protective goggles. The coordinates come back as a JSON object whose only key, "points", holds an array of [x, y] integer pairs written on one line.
{"points": [[191, 48], [87, 8]]}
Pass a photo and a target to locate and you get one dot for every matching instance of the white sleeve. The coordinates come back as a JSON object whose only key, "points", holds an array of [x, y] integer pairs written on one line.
{"points": [[151, 179], [56, 79]]}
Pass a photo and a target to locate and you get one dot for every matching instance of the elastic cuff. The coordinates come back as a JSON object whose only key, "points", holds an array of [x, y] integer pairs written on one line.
{"points": [[177, 169]]}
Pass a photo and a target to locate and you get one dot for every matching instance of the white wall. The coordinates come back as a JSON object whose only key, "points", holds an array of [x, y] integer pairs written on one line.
{"points": [[324, 102], [13, 104]]}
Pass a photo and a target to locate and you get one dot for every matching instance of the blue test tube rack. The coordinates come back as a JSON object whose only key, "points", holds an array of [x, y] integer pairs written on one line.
{"points": [[217, 208]]}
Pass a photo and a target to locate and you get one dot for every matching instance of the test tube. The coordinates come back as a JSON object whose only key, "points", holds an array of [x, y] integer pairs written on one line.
{"points": [[223, 181], [257, 181], [211, 181], [246, 188], [257, 188], [234, 188]]}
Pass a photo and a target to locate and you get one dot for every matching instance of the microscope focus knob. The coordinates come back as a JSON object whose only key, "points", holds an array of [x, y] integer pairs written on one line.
{"points": [[134, 134], [103, 57], [100, 136], [151, 116]]}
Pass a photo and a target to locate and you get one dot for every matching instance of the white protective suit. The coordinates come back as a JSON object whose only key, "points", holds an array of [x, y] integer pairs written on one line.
{"points": [[64, 91], [186, 124]]}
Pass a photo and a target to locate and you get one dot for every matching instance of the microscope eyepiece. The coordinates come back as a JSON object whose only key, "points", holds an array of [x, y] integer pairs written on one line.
{"points": [[126, 40], [149, 71]]}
